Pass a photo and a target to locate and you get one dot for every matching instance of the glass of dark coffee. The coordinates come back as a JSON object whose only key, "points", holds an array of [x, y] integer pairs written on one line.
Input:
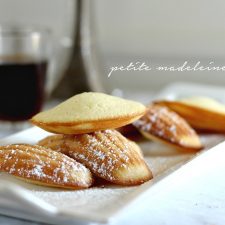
{"points": [[24, 57]]}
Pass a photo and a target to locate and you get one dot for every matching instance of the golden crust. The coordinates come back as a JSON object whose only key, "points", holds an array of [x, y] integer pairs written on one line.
{"points": [[41, 165], [161, 124], [84, 127], [198, 117], [107, 154]]}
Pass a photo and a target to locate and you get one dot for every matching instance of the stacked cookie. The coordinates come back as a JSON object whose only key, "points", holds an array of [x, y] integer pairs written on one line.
{"points": [[86, 145]]}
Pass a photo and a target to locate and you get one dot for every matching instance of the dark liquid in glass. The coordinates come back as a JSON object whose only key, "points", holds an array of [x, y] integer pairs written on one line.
{"points": [[21, 89]]}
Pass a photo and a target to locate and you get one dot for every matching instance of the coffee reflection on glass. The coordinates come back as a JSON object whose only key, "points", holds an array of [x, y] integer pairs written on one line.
{"points": [[24, 54]]}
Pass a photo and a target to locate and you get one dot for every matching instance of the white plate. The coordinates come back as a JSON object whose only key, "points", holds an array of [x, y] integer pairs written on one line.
{"points": [[96, 204]]}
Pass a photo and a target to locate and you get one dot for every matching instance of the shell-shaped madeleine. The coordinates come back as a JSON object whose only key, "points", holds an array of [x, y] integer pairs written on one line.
{"points": [[43, 166], [161, 124], [88, 112], [200, 112], [107, 154]]}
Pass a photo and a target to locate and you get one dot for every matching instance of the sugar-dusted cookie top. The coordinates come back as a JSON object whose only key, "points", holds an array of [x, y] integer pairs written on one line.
{"points": [[164, 125]]}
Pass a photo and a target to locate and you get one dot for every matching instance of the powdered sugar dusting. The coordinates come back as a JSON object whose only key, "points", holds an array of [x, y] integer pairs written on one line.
{"points": [[42, 165], [103, 152], [164, 123]]}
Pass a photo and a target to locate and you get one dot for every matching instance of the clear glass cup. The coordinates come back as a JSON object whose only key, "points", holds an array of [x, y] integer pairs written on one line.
{"points": [[24, 58]]}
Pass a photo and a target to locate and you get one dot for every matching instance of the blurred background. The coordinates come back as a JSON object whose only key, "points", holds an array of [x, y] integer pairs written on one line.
{"points": [[161, 32], [155, 32]]}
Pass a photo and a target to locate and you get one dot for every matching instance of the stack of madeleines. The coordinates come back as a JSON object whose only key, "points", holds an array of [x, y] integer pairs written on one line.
{"points": [[86, 145]]}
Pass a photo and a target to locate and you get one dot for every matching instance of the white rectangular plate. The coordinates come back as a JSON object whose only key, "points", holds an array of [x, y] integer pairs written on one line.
{"points": [[96, 204]]}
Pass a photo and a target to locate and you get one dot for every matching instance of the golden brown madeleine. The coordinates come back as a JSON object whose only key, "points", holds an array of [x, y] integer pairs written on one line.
{"points": [[107, 154], [200, 112], [161, 124], [89, 112], [43, 166]]}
